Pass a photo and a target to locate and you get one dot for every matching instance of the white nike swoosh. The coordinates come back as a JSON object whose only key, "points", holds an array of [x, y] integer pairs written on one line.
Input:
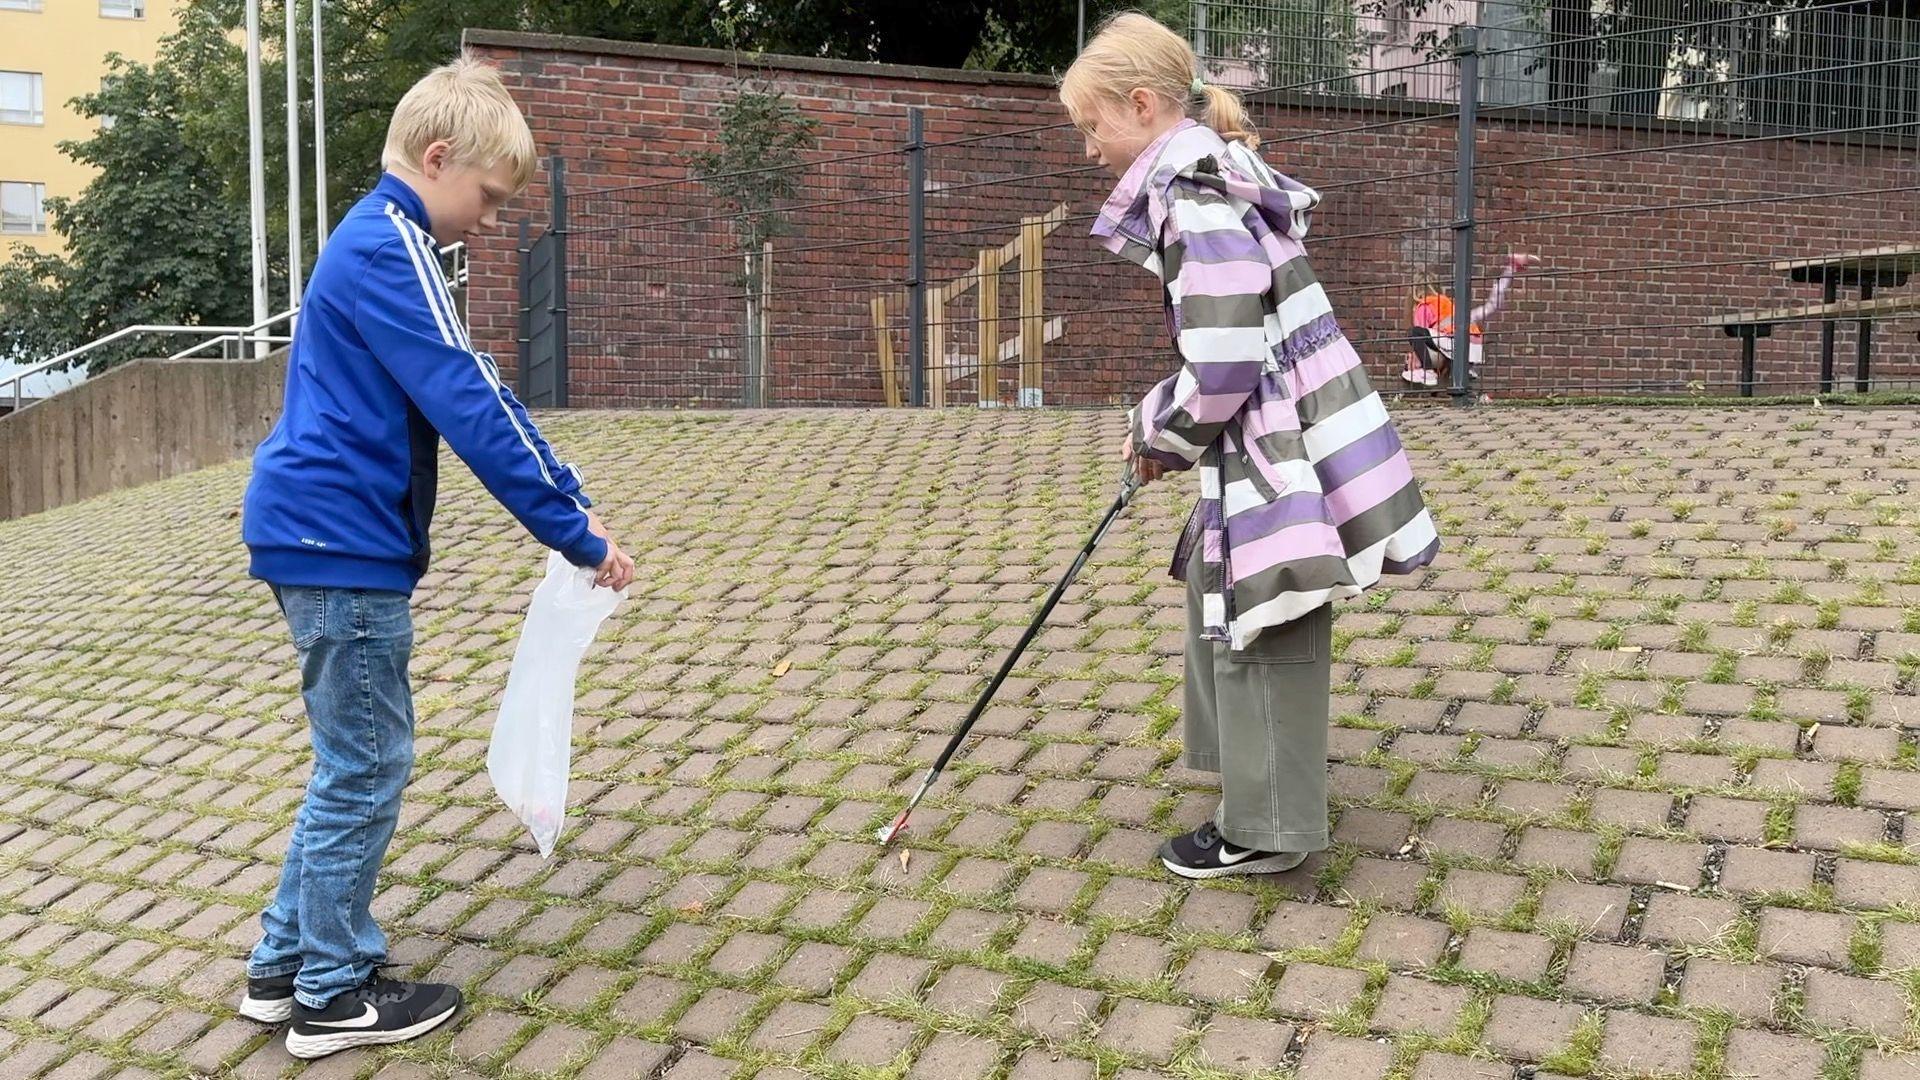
{"points": [[365, 1019], [1227, 859]]}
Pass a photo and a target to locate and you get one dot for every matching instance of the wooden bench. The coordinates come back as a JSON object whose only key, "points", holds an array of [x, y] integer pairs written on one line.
{"points": [[1749, 325]]}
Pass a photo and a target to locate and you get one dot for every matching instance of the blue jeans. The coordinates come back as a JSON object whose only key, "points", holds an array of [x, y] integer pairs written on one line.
{"points": [[354, 645]]}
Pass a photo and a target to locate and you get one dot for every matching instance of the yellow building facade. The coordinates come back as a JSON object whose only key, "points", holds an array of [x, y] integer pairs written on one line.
{"points": [[52, 51]]}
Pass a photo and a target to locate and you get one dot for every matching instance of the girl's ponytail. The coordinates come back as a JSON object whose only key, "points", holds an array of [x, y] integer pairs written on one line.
{"points": [[1224, 112]]}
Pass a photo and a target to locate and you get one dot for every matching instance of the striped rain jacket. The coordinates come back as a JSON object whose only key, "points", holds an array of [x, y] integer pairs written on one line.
{"points": [[1306, 496]]}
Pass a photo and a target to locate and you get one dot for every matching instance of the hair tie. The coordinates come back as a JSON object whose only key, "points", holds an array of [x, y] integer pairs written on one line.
{"points": [[1199, 86]]}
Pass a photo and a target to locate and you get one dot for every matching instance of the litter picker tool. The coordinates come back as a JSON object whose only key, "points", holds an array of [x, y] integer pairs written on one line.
{"points": [[1128, 486]]}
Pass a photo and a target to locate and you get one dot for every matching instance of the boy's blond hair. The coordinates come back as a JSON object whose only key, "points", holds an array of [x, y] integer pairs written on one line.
{"points": [[465, 104], [1134, 52]]}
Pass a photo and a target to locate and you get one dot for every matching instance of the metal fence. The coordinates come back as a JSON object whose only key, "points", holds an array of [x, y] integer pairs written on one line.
{"points": [[674, 299], [1737, 246], [1674, 59]]}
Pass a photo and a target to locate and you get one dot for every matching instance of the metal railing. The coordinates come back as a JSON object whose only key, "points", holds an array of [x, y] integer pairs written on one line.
{"points": [[232, 341]]}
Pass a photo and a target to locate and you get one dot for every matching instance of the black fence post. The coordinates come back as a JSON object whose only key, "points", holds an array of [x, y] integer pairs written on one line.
{"points": [[917, 256], [523, 337], [1863, 359], [557, 173], [1467, 53], [1749, 337], [1830, 292]]}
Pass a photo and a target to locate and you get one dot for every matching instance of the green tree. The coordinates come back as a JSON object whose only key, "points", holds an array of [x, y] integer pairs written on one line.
{"points": [[1004, 35], [757, 126]]}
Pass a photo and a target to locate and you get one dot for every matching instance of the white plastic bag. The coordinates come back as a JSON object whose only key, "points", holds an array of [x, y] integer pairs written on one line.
{"points": [[532, 745]]}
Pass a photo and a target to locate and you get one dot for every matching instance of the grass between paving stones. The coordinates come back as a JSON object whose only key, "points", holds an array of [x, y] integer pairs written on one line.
{"points": [[1583, 1048], [1882, 852], [119, 1049], [1845, 1052], [1818, 897], [1846, 783], [1738, 942], [1864, 948], [1488, 985], [1710, 1048], [693, 972], [697, 976], [1584, 536]]}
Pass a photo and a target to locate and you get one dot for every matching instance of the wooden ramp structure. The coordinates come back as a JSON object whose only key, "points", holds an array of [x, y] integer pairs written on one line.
{"points": [[947, 367]]}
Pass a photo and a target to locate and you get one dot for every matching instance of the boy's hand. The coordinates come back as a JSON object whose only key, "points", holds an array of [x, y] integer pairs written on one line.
{"points": [[1147, 469], [616, 572]]}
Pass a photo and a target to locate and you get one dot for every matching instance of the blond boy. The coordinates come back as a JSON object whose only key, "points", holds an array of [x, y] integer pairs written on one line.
{"points": [[336, 523]]}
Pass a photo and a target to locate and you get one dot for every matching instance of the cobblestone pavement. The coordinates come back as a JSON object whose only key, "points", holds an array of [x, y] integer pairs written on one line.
{"points": [[1625, 785]]}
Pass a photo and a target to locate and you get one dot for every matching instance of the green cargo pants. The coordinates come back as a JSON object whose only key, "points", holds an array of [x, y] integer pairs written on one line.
{"points": [[1259, 718]]}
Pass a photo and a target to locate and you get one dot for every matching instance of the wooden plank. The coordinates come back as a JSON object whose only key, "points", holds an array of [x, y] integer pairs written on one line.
{"points": [[1050, 221], [963, 365], [883, 345], [1840, 309], [988, 319], [958, 287], [1032, 320], [1889, 257], [936, 359], [1003, 254], [759, 272]]}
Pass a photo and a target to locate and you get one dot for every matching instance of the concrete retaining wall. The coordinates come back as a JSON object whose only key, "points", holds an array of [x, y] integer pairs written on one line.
{"points": [[143, 421]]}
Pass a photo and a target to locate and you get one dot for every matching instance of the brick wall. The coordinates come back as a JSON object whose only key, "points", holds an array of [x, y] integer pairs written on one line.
{"points": [[657, 314]]}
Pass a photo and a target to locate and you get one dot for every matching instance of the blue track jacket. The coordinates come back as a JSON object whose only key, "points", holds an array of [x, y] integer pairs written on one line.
{"points": [[381, 370]]}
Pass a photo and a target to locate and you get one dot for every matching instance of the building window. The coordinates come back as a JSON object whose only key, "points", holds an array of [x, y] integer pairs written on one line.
{"points": [[20, 94], [1399, 23], [106, 119], [19, 5], [123, 9], [22, 209]]}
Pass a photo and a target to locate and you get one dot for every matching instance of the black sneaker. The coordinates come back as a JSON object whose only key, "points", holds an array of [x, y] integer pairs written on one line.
{"points": [[268, 1000], [377, 1012], [1204, 853]]}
